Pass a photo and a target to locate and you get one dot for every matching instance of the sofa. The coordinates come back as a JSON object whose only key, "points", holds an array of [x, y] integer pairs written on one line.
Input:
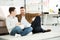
{"points": [[3, 28]]}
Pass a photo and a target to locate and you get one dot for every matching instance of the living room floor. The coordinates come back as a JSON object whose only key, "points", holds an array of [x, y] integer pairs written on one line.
{"points": [[53, 35]]}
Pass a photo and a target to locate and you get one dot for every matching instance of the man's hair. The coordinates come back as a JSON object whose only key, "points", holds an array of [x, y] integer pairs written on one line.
{"points": [[21, 7], [11, 9]]}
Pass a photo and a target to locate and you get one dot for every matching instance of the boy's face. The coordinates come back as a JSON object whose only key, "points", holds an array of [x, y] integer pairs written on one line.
{"points": [[14, 13]]}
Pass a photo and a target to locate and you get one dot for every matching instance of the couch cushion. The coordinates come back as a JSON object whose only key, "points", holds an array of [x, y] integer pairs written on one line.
{"points": [[2, 23], [2, 18]]}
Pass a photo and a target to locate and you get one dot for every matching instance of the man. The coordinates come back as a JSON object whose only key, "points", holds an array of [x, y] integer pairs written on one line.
{"points": [[26, 19], [13, 26]]}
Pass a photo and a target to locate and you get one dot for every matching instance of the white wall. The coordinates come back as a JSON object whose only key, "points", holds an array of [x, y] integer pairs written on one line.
{"points": [[1, 13], [11, 2]]}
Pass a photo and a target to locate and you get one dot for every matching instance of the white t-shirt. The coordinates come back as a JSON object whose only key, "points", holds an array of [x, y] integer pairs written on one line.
{"points": [[25, 22], [11, 23]]}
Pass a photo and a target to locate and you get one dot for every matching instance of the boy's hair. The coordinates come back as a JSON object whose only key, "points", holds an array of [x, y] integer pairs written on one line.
{"points": [[11, 9], [21, 7]]}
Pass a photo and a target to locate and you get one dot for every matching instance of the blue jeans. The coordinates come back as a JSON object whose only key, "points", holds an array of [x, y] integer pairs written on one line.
{"points": [[22, 32]]}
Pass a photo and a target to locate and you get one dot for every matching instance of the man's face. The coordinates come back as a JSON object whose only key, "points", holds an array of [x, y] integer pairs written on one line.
{"points": [[22, 10], [14, 13]]}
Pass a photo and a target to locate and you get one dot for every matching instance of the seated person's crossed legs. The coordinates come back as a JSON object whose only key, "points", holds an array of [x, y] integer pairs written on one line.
{"points": [[22, 32]]}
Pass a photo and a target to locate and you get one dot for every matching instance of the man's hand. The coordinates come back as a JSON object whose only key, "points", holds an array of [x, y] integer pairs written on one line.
{"points": [[39, 14], [18, 23]]}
